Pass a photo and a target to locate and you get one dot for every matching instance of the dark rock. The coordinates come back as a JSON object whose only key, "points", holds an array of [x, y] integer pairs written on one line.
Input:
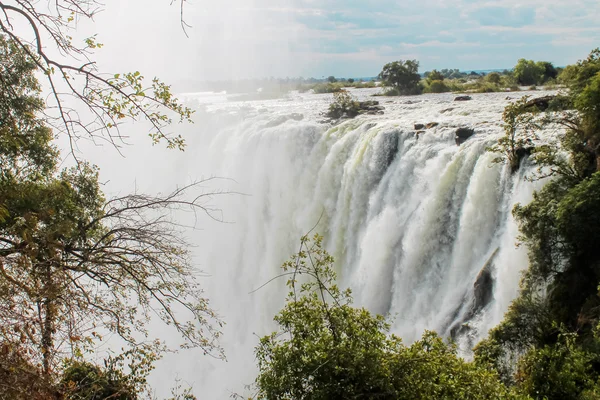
{"points": [[523, 152], [483, 294], [462, 134], [418, 127], [463, 98], [368, 103], [432, 125], [370, 107], [446, 110], [483, 289], [542, 103]]}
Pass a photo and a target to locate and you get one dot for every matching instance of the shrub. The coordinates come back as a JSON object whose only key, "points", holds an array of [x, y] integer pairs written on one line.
{"points": [[327, 349], [437, 86], [494, 78], [328, 88], [343, 106]]}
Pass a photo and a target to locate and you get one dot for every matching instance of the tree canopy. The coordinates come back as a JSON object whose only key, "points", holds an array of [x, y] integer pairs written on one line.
{"points": [[107, 98], [402, 76], [327, 349]]}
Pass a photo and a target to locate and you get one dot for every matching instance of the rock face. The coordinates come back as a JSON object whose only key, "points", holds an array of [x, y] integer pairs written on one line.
{"points": [[432, 125], [463, 98], [462, 134], [419, 127], [484, 286], [483, 294]]}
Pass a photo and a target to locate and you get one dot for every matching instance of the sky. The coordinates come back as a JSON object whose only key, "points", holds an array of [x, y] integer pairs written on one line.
{"points": [[233, 39]]}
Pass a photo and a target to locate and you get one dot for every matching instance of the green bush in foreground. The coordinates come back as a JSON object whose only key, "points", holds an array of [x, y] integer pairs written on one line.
{"points": [[327, 349]]}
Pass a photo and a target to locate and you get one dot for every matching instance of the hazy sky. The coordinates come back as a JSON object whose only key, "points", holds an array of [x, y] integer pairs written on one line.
{"points": [[253, 38]]}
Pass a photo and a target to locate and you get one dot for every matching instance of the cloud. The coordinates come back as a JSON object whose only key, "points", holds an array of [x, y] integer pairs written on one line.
{"points": [[245, 38]]}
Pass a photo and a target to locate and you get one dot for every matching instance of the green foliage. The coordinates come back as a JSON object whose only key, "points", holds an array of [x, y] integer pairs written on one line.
{"points": [[25, 149], [520, 125], [403, 76], [549, 71], [437, 86], [72, 263], [328, 88], [494, 78], [528, 72], [331, 79], [343, 106], [85, 381], [102, 102], [549, 331], [327, 349], [561, 371], [435, 75]]}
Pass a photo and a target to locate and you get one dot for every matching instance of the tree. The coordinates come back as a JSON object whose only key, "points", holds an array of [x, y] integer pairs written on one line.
{"points": [[73, 264], [520, 127], [331, 79], [435, 75], [494, 78], [527, 72], [549, 71], [351, 80], [402, 76], [327, 349], [551, 330], [108, 98]]}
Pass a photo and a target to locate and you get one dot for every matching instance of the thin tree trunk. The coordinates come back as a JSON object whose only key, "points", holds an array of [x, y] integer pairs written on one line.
{"points": [[49, 316]]}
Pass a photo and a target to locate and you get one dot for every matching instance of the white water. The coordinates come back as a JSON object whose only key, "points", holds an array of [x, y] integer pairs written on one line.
{"points": [[410, 222]]}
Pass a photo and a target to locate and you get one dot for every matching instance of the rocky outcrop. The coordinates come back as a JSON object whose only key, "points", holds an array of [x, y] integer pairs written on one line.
{"points": [[462, 134], [483, 289], [370, 107], [463, 98], [483, 294], [541, 103], [420, 127]]}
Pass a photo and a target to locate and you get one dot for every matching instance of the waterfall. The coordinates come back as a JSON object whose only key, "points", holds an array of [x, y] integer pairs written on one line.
{"points": [[421, 229]]}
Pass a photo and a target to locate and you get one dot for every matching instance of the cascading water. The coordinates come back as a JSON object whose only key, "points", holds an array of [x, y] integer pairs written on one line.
{"points": [[421, 229]]}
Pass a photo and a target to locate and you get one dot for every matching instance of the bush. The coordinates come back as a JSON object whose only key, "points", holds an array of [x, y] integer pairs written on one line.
{"points": [[558, 372], [494, 78], [82, 380], [343, 106], [328, 88], [327, 349], [437, 87]]}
